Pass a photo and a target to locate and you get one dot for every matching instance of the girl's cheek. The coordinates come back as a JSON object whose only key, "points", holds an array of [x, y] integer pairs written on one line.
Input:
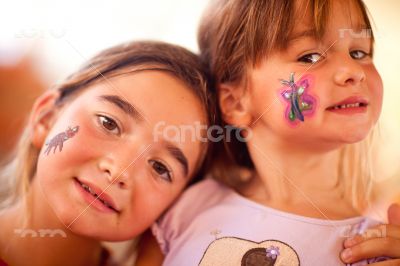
{"points": [[78, 148], [374, 80], [91, 143], [375, 87]]}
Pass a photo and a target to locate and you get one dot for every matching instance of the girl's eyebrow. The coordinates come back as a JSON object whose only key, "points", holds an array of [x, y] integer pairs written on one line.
{"points": [[125, 106], [302, 34], [179, 156]]}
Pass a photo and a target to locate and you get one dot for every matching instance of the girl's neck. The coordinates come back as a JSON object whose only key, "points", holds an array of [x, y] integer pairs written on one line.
{"points": [[297, 180], [39, 237]]}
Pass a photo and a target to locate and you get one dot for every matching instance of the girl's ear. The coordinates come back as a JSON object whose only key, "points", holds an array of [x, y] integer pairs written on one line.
{"points": [[234, 102], [42, 117]]}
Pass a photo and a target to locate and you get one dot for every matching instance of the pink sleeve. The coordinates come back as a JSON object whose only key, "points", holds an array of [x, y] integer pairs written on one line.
{"points": [[157, 231], [179, 217], [169, 225]]}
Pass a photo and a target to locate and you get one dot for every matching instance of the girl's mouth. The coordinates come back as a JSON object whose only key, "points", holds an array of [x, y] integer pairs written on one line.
{"points": [[349, 106], [95, 197], [344, 106]]}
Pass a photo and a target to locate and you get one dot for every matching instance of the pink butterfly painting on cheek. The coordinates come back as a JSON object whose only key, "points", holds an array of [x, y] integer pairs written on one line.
{"points": [[59, 139], [300, 104]]}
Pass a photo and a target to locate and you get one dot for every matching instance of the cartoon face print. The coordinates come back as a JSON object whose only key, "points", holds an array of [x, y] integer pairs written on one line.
{"points": [[261, 256], [241, 252]]}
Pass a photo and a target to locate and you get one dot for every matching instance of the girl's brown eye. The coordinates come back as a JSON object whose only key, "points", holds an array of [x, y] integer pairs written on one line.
{"points": [[161, 170], [109, 124]]}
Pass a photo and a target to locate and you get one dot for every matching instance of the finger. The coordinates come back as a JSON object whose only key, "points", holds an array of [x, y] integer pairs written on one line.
{"points": [[376, 247], [380, 231], [394, 214], [386, 263]]}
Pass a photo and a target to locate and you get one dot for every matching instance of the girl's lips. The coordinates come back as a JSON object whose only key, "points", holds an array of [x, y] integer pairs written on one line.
{"points": [[351, 105], [95, 196], [351, 100]]}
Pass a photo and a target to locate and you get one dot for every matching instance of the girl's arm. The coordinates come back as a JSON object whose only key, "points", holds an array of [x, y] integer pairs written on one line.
{"points": [[149, 252]]}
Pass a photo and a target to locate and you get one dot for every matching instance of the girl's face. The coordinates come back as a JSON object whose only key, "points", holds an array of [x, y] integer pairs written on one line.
{"points": [[339, 71], [120, 153]]}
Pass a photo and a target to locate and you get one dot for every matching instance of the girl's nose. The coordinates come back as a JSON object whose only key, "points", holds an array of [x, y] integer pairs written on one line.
{"points": [[115, 171], [348, 72], [119, 166]]}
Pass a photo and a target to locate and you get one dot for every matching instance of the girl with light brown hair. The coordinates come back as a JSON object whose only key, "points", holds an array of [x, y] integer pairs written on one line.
{"points": [[89, 167]]}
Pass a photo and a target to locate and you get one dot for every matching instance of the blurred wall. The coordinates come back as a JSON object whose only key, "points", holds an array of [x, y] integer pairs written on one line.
{"points": [[385, 14], [19, 87]]}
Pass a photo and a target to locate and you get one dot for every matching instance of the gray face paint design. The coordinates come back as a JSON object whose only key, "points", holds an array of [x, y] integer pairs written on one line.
{"points": [[58, 140]]}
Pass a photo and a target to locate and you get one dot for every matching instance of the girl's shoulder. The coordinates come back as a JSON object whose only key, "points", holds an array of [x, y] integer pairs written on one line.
{"points": [[193, 202], [197, 198], [204, 193]]}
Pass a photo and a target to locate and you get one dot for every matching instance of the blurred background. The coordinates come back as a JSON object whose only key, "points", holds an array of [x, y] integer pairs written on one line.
{"points": [[41, 42]]}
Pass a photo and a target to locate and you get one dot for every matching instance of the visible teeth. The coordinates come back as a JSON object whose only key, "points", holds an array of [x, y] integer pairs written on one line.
{"points": [[350, 105], [88, 189]]}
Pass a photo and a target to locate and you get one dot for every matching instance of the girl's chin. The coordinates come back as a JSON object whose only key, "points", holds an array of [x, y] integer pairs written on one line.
{"points": [[99, 230], [354, 136], [347, 133], [94, 230], [103, 234]]}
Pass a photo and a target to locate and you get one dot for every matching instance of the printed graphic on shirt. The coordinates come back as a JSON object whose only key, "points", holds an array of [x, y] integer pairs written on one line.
{"points": [[242, 252]]}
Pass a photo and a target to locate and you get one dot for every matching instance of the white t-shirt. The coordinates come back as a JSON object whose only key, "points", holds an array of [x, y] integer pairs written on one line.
{"points": [[211, 224]]}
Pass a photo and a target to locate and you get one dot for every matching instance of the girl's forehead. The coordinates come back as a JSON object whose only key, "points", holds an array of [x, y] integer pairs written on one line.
{"points": [[317, 19], [156, 94]]}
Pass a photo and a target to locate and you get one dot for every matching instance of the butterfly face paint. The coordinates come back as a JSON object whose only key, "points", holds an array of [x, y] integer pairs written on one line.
{"points": [[58, 140], [300, 103]]}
